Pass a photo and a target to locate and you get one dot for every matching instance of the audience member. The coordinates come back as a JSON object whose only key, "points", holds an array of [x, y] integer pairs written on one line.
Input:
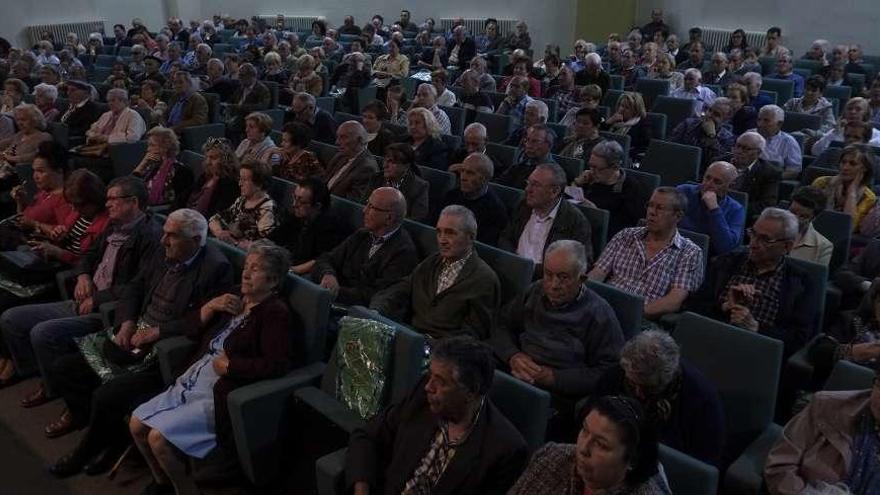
{"points": [[296, 162], [756, 177], [536, 113], [694, 90], [773, 46], [710, 132], [857, 109], [424, 139], [711, 210], [606, 185], [82, 112], [630, 119], [186, 108], [391, 66], [45, 97], [521, 69], [217, 187], [305, 79], [514, 104], [257, 145], [149, 101], [536, 147], [348, 173], [593, 73], [718, 74], [664, 69], [305, 110], [584, 135], [474, 193], [400, 172], [780, 147], [807, 203], [742, 115], [850, 191], [426, 97], [813, 103], [21, 147], [753, 82], [250, 96], [695, 52], [169, 182], [785, 72], [253, 215]]}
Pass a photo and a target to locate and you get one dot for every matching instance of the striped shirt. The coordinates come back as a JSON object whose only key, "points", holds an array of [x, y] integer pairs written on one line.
{"points": [[73, 239]]}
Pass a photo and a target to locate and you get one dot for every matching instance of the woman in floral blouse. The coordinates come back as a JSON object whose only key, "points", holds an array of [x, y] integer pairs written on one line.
{"points": [[252, 216]]}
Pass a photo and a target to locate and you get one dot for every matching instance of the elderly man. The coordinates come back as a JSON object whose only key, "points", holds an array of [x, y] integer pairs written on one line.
{"points": [[250, 96], [37, 334], [695, 51], [536, 113], [426, 97], [544, 217], [694, 90], [151, 71], [452, 292], [373, 258], [654, 261], [564, 92], [446, 437], [593, 73], [187, 107], [348, 173], [304, 109], [719, 73], [753, 82], [474, 193], [709, 132], [756, 176], [758, 289], [711, 211], [157, 304], [472, 99], [781, 147], [473, 141], [785, 71], [82, 111], [536, 147], [461, 48], [515, 103], [559, 335], [203, 53], [216, 82]]}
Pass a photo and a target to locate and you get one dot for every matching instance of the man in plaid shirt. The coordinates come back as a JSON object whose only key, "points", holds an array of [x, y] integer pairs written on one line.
{"points": [[654, 261]]}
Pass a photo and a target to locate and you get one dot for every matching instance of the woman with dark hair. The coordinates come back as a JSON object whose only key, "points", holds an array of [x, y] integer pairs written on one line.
{"points": [[390, 67], [813, 103], [615, 453], [48, 209], [399, 171], [397, 104], [168, 181], [737, 40], [378, 137], [850, 191], [296, 162], [252, 216], [311, 229], [319, 31], [217, 188], [584, 134]]}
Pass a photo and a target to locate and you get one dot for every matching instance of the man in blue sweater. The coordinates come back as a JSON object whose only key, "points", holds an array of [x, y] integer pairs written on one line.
{"points": [[712, 211]]}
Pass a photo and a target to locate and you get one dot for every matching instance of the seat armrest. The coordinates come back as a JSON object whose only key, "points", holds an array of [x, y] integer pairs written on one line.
{"points": [[108, 313], [173, 353], [65, 278], [330, 473], [746, 475], [330, 408]]}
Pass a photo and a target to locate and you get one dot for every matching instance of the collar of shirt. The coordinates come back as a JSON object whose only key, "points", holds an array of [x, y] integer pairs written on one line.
{"points": [[460, 261], [444, 426], [810, 238], [383, 239], [677, 240], [751, 269], [581, 292], [177, 267], [130, 226], [550, 216]]}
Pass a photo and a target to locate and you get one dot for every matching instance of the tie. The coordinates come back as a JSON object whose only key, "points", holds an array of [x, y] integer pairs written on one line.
{"points": [[377, 243]]}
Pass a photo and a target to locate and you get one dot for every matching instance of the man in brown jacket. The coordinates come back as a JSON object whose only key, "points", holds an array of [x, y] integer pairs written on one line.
{"points": [[187, 108]]}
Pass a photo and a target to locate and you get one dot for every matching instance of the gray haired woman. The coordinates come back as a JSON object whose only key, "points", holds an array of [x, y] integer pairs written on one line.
{"points": [[682, 403]]}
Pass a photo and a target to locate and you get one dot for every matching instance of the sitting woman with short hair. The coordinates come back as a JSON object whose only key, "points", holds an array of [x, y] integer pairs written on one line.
{"points": [[45, 96], [168, 181], [813, 103], [615, 453], [257, 145], [584, 134], [305, 79], [120, 124], [400, 172], [22, 146], [252, 216], [149, 100], [244, 336], [378, 137], [216, 189], [424, 137], [296, 162], [630, 119], [850, 191]]}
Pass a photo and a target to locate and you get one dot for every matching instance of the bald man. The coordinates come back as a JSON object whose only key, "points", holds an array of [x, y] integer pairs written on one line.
{"points": [[712, 211], [474, 193]]}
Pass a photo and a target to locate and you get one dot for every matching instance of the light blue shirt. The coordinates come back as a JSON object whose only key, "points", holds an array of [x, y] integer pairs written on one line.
{"points": [[702, 96], [783, 148]]}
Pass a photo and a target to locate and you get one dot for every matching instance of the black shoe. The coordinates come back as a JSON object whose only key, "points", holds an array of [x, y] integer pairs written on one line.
{"points": [[67, 466], [158, 489], [103, 462]]}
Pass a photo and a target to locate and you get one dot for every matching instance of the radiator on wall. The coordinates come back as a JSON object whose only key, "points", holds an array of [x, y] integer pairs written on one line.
{"points": [[718, 37], [59, 31], [291, 23], [475, 26]]}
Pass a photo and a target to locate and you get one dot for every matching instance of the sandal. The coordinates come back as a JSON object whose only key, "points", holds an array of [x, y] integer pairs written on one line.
{"points": [[36, 398], [60, 427]]}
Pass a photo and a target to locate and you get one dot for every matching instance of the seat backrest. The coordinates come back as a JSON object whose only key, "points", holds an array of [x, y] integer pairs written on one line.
{"points": [[452, 142], [311, 307], [345, 117], [559, 130], [743, 366], [349, 214], [836, 227], [768, 65], [324, 151], [629, 308], [510, 196], [194, 161], [193, 138], [277, 116], [616, 82], [456, 119], [326, 103], [440, 182], [674, 163], [497, 126], [423, 236], [848, 375], [686, 474], [599, 220], [234, 254], [675, 109], [797, 121], [784, 88], [126, 156], [651, 89], [813, 172], [552, 108], [281, 192], [814, 66], [572, 166], [829, 159], [524, 405], [610, 98], [213, 100], [364, 96], [60, 132], [818, 277], [701, 240], [842, 93], [501, 152], [514, 272]]}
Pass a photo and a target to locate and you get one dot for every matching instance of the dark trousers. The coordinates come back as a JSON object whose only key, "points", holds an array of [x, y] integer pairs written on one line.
{"points": [[102, 407]]}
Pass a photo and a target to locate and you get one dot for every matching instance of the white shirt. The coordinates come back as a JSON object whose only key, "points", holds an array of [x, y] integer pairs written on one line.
{"points": [[447, 99], [534, 235], [702, 96]]}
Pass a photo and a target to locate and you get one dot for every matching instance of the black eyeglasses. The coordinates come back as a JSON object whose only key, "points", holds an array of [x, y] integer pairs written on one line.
{"points": [[762, 239]]}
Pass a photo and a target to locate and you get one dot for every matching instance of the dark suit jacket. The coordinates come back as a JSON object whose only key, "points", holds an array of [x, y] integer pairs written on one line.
{"points": [[568, 224], [414, 189], [432, 153], [195, 111], [324, 128], [489, 210], [465, 53], [224, 87], [142, 244], [761, 183], [208, 273], [386, 451], [82, 118], [361, 277], [258, 99], [467, 307], [796, 322], [308, 240], [746, 118], [355, 182]]}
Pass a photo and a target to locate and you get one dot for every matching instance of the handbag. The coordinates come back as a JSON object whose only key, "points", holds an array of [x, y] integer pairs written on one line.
{"points": [[26, 267], [108, 360]]}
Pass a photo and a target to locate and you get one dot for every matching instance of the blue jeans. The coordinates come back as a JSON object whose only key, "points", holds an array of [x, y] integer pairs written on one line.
{"points": [[37, 334]]}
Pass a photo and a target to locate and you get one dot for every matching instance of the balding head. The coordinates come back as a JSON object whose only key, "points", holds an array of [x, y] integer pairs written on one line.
{"points": [[475, 138], [748, 148], [384, 211], [718, 178]]}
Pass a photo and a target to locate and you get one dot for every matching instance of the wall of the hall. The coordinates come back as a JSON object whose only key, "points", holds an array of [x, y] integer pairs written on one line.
{"points": [[847, 21]]}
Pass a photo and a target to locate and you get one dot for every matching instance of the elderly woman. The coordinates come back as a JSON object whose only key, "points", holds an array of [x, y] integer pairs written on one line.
{"points": [[678, 400], [72, 43], [424, 138], [629, 119], [149, 100], [273, 69], [311, 229], [813, 103], [521, 69], [664, 68], [587, 96], [245, 336], [216, 189], [21, 147], [486, 81], [168, 181], [252, 215], [435, 56], [349, 77], [395, 101], [257, 145], [50, 74], [616, 452], [400, 172], [850, 191], [856, 109], [833, 440], [296, 162], [13, 93], [45, 96], [378, 137], [583, 135], [305, 80], [742, 115], [390, 66], [121, 124]]}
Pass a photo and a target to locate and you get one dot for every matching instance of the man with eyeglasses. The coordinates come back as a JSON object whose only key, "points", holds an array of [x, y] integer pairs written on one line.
{"points": [[785, 71], [757, 177], [536, 148], [711, 211], [374, 257], [711, 132], [758, 289]]}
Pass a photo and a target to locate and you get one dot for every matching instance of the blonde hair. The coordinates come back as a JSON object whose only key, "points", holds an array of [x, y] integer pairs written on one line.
{"points": [[263, 121], [168, 138], [35, 112], [635, 100], [430, 122]]}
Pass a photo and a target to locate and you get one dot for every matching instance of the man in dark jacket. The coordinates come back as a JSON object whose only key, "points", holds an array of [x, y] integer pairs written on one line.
{"points": [[304, 109], [154, 306], [374, 257], [250, 96], [405, 448], [38, 334], [757, 177], [460, 49], [473, 192], [82, 112]]}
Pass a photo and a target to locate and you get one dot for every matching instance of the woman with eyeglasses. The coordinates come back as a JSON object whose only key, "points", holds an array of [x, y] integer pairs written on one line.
{"points": [[850, 191], [252, 216], [615, 453], [217, 188]]}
